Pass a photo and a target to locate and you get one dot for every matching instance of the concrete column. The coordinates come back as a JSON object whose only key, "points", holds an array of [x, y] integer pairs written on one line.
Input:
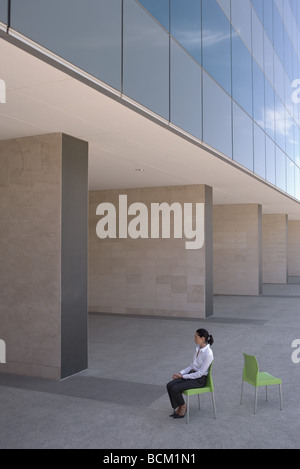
{"points": [[43, 251], [237, 249], [274, 251], [151, 276], [294, 248]]}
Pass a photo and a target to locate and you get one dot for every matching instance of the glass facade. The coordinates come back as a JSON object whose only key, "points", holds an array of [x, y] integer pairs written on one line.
{"points": [[85, 33], [185, 91], [221, 70], [4, 11], [145, 60]]}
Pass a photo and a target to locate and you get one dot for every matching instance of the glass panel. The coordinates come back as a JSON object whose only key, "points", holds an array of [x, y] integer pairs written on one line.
{"points": [[280, 123], [241, 74], [257, 40], [280, 169], [279, 4], [216, 43], [146, 60], [295, 30], [216, 116], [279, 77], [258, 7], [297, 145], [259, 152], [268, 59], [159, 9], [278, 37], [290, 140], [185, 91], [268, 17], [288, 94], [294, 6], [290, 177], [269, 109], [297, 183], [295, 65], [242, 138], [295, 98], [296, 110], [258, 95], [288, 55], [225, 5], [287, 14], [241, 19], [3, 11], [186, 25], [87, 34], [270, 160]]}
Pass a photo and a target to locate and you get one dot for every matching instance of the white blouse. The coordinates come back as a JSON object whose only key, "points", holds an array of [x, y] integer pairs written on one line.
{"points": [[201, 362]]}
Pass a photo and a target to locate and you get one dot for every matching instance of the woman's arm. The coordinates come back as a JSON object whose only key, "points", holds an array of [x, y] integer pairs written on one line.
{"points": [[186, 370], [204, 366]]}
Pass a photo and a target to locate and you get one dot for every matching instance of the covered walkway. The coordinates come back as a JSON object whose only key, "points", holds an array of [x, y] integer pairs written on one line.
{"points": [[120, 401]]}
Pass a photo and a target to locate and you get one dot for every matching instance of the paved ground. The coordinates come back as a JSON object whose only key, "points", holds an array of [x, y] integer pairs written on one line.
{"points": [[120, 402]]}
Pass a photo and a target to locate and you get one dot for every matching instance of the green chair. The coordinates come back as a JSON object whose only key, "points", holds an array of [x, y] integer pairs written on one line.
{"points": [[191, 392], [253, 376]]}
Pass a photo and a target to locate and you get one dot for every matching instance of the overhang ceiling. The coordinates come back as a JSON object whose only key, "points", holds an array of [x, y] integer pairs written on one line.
{"points": [[43, 99]]}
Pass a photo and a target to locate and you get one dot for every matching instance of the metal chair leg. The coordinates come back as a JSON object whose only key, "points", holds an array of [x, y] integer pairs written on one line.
{"points": [[188, 409], [214, 404], [188, 406], [255, 401], [267, 393], [280, 396], [242, 391]]}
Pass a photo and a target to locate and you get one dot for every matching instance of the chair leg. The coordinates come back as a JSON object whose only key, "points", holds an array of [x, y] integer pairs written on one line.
{"points": [[199, 401], [242, 391], [280, 396], [255, 401], [267, 393], [188, 409], [214, 404]]}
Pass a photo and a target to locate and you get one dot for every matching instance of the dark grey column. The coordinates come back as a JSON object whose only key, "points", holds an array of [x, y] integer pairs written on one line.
{"points": [[260, 273], [74, 346], [209, 281]]}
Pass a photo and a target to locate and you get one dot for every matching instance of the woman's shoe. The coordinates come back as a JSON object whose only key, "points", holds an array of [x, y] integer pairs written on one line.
{"points": [[177, 416], [174, 412]]}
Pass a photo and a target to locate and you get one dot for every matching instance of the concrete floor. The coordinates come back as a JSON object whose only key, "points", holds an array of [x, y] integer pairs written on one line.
{"points": [[120, 401]]}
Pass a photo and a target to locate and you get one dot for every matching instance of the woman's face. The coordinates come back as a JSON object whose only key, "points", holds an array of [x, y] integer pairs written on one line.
{"points": [[199, 340]]}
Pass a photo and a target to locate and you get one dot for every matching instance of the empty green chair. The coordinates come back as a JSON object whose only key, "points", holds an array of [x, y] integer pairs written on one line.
{"points": [[253, 376], [191, 392]]}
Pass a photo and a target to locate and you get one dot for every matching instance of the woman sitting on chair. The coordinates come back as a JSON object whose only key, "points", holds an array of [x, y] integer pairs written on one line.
{"points": [[194, 376]]}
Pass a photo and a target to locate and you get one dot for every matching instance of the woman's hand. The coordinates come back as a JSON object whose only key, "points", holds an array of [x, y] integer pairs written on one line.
{"points": [[177, 375]]}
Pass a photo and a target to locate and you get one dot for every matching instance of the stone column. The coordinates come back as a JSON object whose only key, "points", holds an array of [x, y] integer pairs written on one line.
{"points": [[274, 248], [237, 249], [151, 276], [43, 251]]}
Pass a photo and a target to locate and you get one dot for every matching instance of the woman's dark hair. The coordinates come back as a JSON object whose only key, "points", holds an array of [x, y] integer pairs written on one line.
{"points": [[203, 333]]}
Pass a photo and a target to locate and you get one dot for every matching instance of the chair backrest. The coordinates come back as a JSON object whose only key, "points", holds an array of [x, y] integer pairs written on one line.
{"points": [[251, 370], [209, 381]]}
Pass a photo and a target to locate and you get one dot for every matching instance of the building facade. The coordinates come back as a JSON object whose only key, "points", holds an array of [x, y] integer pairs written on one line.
{"points": [[199, 65], [161, 101]]}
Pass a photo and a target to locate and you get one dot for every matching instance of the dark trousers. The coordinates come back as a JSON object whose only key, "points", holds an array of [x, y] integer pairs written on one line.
{"points": [[176, 386]]}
